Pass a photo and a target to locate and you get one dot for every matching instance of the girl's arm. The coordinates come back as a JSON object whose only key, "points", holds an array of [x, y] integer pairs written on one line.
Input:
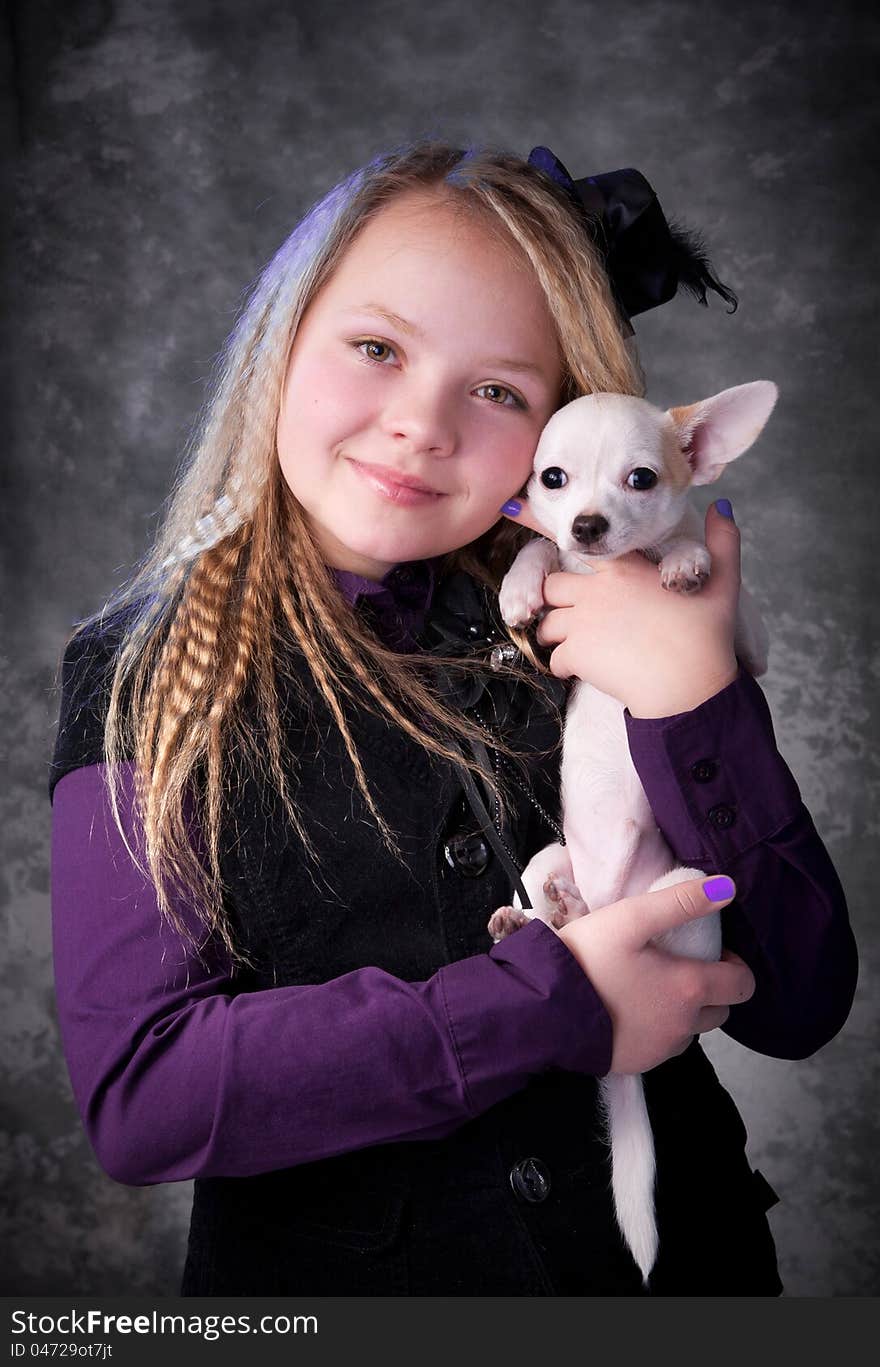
{"points": [[178, 1075], [726, 802]]}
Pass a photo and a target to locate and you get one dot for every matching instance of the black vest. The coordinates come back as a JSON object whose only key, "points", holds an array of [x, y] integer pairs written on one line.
{"points": [[462, 1215], [470, 1214]]}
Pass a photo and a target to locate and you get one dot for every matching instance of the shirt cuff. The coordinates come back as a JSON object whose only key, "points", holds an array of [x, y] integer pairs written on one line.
{"points": [[716, 783], [542, 1013]]}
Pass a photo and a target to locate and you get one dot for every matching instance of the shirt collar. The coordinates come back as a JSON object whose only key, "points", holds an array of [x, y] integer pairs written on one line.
{"points": [[399, 602]]}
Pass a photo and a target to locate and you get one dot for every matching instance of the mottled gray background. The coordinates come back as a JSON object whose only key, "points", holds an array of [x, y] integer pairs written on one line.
{"points": [[164, 150]]}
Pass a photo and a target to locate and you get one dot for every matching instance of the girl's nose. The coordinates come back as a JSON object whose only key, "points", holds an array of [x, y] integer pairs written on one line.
{"points": [[421, 417]]}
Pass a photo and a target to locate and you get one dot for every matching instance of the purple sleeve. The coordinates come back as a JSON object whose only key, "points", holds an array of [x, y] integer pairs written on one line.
{"points": [[178, 1075], [727, 803]]}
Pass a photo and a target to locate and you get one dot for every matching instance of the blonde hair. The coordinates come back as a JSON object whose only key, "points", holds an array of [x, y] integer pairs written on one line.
{"points": [[196, 666]]}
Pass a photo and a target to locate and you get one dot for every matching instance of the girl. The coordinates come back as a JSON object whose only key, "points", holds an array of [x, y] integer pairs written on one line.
{"points": [[272, 873]]}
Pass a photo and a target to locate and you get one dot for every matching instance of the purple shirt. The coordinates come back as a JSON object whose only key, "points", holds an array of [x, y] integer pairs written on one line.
{"points": [[398, 603], [167, 1057]]}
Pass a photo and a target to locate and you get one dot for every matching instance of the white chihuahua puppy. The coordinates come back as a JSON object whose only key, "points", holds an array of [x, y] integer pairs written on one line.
{"points": [[611, 475]]}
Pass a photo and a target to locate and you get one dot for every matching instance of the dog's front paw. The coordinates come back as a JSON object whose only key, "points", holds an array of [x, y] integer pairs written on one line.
{"points": [[505, 921], [686, 569], [521, 597]]}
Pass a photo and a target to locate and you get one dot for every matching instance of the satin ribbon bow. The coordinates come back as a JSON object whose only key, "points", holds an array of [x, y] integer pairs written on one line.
{"points": [[646, 258], [460, 623], [463, 621]]}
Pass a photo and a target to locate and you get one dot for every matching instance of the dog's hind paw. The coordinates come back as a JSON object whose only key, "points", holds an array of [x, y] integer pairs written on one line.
{"points": [[569, 904], [505, 921]]}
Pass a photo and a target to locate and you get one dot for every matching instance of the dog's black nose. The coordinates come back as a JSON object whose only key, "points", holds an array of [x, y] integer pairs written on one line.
{"points": [[588, 527]]}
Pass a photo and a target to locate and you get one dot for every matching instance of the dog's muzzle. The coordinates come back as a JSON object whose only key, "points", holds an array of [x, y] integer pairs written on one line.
{"points": [[589, 528]]}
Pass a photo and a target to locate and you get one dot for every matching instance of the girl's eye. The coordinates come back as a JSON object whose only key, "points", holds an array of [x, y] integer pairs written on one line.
{"points": [[371, 342], [641, 478], [517, 401]]}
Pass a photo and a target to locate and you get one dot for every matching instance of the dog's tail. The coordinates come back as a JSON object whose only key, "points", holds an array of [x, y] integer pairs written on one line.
{"points": [[622, 1100]]}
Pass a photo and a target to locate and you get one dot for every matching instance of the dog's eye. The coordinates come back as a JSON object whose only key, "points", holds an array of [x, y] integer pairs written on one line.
{"points": [[641, 478], [553, 477]]}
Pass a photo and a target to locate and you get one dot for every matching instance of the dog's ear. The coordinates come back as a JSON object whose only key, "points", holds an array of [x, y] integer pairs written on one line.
{"points": [[717, 430]]}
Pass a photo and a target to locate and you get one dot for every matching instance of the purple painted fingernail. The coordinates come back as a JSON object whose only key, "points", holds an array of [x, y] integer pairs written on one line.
{"points": [[513, 509], [720, 888], [724, 507]]}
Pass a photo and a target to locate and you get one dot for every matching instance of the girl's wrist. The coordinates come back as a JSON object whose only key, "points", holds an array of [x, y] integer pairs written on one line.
{"points": [[655, 700]]}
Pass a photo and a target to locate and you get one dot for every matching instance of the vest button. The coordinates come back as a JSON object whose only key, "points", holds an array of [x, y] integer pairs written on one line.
{"points": [[530, 1180], [468, 855], [722, 816], [503, 655], [704, 770]]}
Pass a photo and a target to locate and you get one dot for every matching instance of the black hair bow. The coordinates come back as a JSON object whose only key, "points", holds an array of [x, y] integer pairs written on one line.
{"points": [[646, 257]]}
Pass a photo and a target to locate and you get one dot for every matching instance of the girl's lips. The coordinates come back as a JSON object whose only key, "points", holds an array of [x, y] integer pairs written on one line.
{"points": [[385, 484]]}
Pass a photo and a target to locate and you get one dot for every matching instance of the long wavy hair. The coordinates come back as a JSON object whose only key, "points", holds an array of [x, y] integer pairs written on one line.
{"points": [[194, 677]]}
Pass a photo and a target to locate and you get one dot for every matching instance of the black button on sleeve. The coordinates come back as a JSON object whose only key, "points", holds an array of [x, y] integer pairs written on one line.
{"points": [[704, 770], [722, 816]]}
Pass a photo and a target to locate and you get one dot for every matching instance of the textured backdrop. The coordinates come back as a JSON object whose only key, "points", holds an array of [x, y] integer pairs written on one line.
{"points": [[164, 150]]}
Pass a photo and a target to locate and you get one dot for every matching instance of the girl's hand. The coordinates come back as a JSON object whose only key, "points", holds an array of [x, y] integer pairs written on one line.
{"points": [[656, 651], [519, 511], [657, 1000]]}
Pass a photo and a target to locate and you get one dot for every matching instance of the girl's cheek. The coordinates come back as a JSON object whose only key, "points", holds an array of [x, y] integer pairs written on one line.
{"points": [[318, 378], [516, 467], [307, 386]]}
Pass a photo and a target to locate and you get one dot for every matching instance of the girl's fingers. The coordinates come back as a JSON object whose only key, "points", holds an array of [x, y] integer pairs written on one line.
{"points": [[710, 1017], [723, 544], [554, 628], [518, 510], [561, 588], [730, 983]]}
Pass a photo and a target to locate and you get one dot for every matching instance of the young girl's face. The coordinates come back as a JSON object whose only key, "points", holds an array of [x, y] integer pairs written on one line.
{"points": [[451, 393]]}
